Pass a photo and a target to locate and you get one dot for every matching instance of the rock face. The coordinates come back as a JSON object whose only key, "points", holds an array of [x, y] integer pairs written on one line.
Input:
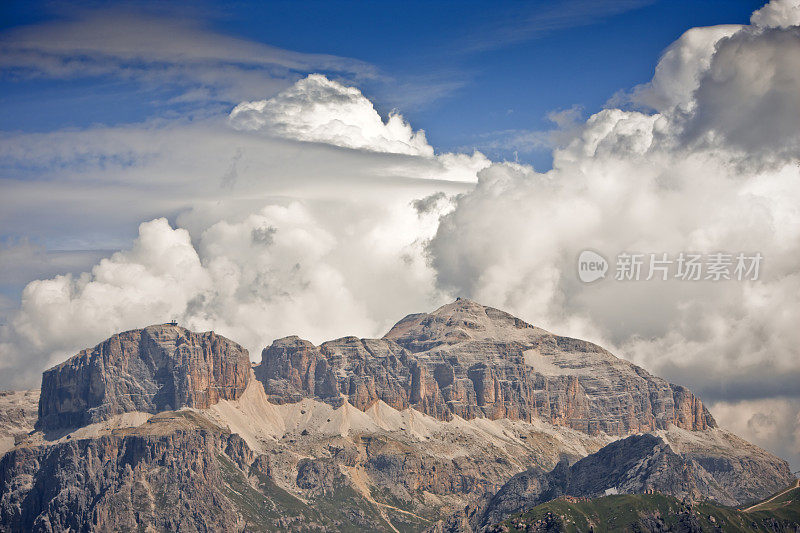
{"points": [[635, 465], [18, 412], [177, 472], [469, 360], [747, 472], [166, 482], [154, 369]]}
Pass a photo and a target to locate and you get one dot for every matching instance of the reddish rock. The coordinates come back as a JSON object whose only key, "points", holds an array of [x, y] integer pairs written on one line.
{"points": [[689, 410], [154, 369]]}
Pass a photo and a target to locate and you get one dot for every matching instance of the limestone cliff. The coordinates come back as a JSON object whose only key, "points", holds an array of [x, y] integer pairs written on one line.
{"points": [[154, 369], [18, 412], [469, 360], [176, 472]]}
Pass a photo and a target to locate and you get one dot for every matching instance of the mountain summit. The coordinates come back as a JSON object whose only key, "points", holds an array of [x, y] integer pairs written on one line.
{"points": [[469, 360], [451, 421], [158, 368]]}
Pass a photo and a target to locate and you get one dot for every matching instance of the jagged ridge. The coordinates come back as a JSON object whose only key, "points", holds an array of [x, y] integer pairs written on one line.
{"points": [[468, 360], [464, 361]]}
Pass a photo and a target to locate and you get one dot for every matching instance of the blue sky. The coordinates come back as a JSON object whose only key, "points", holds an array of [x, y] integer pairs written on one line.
{"points": [[471, 74]]}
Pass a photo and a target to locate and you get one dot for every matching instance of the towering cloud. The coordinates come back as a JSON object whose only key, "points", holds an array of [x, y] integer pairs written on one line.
{"points": [[777, 14], [309, 213], [713, 167], [317, 109], [307, 224]]}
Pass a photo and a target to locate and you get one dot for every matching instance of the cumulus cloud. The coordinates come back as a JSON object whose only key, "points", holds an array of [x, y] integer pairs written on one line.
{"points": [[677, 74], [268, 234], [713, 168], [317, 109], [777, 14], [747, 99], [733, 87], [308, 213], [279, 271], [156, 277]]}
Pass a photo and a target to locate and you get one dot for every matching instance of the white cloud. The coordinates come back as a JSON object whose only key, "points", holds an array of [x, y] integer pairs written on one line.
{"points": [[318, 217], [88, 189], [162, 47], [773, 424], [746, 101], [778, 14], [317, 109], [734, 87], [178, 55], [280, 236], [283, 270], [156, 278], [678, 72], [715, 168]]}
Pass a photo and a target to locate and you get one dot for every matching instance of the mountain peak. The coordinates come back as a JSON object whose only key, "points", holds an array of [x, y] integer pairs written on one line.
{"points": [[469, 360], [359, 408], [157, 368], [460, 320]]}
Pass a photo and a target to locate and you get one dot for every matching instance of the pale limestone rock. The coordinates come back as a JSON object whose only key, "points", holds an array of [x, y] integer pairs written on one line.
{"points": [[468, 360]]}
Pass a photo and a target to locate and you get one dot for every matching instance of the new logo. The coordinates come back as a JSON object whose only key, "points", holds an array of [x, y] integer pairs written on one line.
{"points": [[591, 266]]}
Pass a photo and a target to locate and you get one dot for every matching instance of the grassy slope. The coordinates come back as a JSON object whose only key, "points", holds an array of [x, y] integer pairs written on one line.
{"points": [[636, 512]]}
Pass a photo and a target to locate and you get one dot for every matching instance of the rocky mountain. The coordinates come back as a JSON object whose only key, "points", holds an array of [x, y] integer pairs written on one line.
{"points": [[468, 360], [656, 513], [638, 464], [293, 467], [18, 414], [163, 428], [158, 368]]}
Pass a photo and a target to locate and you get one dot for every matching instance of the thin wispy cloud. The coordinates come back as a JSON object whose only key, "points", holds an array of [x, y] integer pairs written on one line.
{"points": [[527, 23], [163, 50], [566, 122], [185, 61]]}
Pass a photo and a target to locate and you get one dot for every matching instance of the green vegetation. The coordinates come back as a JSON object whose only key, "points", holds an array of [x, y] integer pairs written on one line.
{"points": [[656, 512]]}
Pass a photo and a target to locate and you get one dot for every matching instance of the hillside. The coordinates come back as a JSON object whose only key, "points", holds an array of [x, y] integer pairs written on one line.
{"points": [[656, 512]]}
